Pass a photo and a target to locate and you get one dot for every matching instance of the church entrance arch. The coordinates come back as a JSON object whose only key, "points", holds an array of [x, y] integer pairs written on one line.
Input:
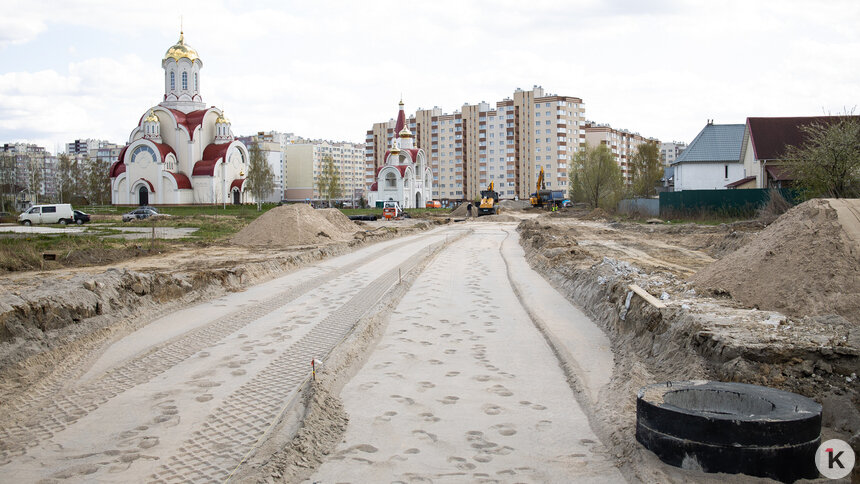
{"points": [[418, 203], [236, 197], [143, 196]]}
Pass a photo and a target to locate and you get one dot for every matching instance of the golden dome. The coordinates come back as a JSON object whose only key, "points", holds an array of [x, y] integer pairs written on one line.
{"points": [[151, 117], [180, 50], [222, 119], [405, 133]]}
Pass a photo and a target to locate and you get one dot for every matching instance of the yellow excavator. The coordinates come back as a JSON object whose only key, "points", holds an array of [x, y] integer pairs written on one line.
{"points": [[535, 198], [489, 201]]}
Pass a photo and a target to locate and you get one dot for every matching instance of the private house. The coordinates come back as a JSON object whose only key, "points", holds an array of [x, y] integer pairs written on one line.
{"points": [[712, 160], [765, 143]]}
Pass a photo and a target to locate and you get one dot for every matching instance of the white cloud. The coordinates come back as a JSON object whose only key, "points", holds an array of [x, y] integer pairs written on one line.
{"points": [[331, 69]]}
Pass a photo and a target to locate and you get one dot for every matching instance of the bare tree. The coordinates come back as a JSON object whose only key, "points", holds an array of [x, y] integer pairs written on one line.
{"points": [[646, 170], [596, 178], [827, 164], [7, 178], [64, 178], [260, 180], [328, 181], [35, 176]]}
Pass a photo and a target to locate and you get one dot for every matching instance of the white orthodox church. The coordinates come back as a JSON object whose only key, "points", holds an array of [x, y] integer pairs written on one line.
{"points": [[181, 152], [406, 176]]}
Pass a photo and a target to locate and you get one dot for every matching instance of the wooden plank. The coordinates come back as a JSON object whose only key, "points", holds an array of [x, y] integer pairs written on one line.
{"points": [[646, 296]]}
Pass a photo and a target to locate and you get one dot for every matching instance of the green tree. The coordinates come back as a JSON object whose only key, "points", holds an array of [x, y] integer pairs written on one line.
{"points": [[328, 181], [64, 178], [827, 164], [260, 180], [646, 170], [596, 178]]}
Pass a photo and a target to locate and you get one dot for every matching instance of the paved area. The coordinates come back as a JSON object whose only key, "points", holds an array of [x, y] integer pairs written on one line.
{"points": [[129, 233]]}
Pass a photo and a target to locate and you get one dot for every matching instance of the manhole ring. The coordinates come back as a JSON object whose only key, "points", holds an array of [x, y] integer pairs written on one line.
{"points": [[730, 427]]}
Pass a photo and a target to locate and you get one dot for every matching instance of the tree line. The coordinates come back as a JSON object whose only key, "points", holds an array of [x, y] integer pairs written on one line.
{"points": [[83, 180]]}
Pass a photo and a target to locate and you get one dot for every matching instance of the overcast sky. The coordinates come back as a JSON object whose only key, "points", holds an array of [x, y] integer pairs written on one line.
{"points": [[330, 69]]}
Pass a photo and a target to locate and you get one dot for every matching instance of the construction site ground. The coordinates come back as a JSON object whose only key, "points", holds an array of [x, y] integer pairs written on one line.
{"points": [[508, 350]]}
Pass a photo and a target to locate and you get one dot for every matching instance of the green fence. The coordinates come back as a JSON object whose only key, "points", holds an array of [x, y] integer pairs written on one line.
{"points": [[740, 202]]}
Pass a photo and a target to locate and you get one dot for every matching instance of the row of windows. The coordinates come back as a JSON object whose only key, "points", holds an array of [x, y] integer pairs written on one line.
{"points": [[184, 81]]}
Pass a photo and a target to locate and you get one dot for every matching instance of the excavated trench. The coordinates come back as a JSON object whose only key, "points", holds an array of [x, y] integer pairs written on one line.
{"points": [[699, 339]]}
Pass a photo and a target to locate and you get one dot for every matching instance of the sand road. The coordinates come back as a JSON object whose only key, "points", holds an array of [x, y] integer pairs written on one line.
{"points": [[185, 398], [463, 387]]}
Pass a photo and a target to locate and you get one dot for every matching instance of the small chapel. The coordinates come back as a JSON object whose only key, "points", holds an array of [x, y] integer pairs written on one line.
{"points": [[181, 152], [405, 176]]}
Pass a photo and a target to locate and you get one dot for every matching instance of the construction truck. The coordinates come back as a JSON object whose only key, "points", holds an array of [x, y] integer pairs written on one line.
{"points": [[489, 201], [546, 198]]}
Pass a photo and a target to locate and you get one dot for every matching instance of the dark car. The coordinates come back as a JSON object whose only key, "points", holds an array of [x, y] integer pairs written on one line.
{"points": [[142, 213], [81, 217]]}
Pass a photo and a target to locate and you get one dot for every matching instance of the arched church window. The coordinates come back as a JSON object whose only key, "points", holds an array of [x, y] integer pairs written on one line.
{"points": [[184, 81], [172, 80], [390, 181]]}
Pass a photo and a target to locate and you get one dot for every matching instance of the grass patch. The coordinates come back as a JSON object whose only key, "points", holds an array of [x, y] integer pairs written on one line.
{"points": [[26, 253]]}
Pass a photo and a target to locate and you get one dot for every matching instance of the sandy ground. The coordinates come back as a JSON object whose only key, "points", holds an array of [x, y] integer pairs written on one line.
{"points": [[463, 387], [189, 395]]}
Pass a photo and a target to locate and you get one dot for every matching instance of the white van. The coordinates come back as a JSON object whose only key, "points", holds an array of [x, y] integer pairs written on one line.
{"points": [[58, 213]]}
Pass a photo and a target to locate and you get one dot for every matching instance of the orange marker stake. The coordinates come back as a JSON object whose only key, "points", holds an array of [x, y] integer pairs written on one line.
{"points": [[314, 369]]}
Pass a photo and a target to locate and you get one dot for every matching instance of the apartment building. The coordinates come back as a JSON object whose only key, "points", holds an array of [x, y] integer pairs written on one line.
{"points": [[28, 169], [621, 143], [670, 151], [507, 144], [305, 160], [273, 145]]}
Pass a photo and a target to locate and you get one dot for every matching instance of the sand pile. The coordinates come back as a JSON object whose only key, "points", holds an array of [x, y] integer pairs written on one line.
{"points": [[514, 204], [462, 211], [802, 264], [298, 224]]}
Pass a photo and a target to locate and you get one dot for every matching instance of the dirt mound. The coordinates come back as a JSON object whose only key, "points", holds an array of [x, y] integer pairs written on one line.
{"points": [[461, 210], [515, 204], [803, 264], [298, 224]]}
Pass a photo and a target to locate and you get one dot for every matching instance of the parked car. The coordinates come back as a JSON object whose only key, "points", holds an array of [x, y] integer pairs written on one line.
{"points": [[58, 213], [6, 218], [81, 217], [142, 213]]}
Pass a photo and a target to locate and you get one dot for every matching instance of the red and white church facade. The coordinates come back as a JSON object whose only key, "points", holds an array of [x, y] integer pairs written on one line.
{"points": [[181, 152], [406, 176]]}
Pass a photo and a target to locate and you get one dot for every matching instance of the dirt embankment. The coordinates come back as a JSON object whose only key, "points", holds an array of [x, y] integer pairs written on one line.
{"points": [[295, 225], [694, 337]]}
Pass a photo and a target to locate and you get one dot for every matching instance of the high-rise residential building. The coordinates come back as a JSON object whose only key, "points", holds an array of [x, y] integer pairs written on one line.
{"points": [[31, 172], [476, 145], [669, 151], [305, 160], [272, 145], [621, 143]]}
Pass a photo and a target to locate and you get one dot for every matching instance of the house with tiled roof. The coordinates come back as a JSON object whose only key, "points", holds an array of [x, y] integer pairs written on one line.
{"points": [[712, 160], [765, 143], [181, 152]]}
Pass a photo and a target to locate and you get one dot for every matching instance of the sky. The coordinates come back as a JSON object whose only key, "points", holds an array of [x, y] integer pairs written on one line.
{"points": [[330, 69]]}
